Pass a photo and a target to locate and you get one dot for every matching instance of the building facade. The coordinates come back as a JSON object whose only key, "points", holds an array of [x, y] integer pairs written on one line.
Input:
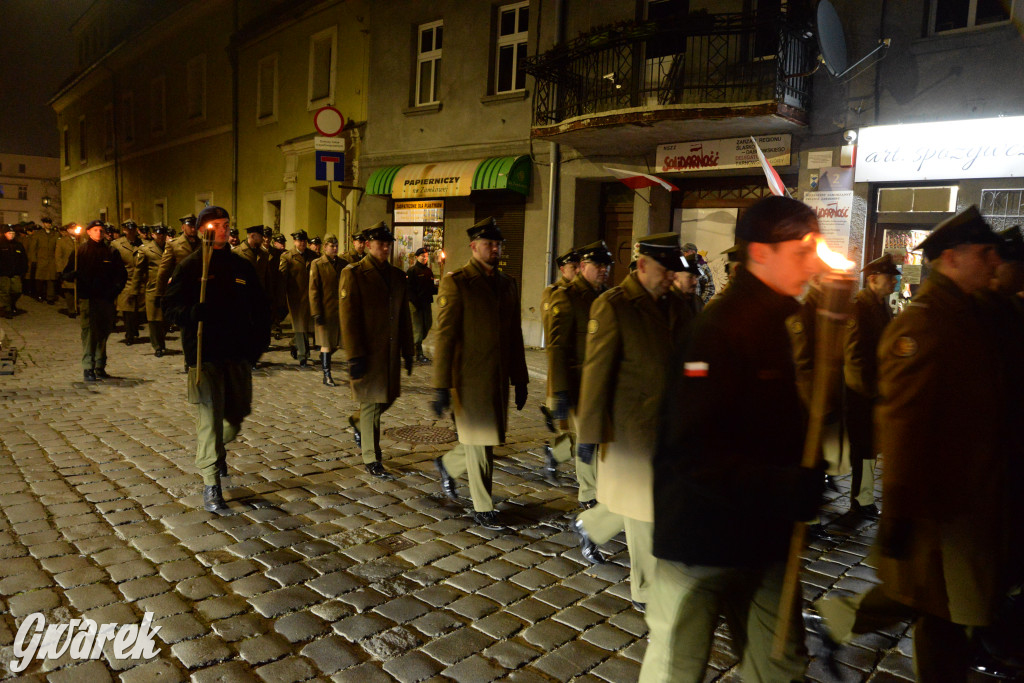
{"points": [[29, 189]]}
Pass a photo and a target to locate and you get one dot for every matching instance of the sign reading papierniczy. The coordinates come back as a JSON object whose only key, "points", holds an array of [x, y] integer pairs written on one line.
{"points": [[712, 155], [444, 179], [982, 148]]}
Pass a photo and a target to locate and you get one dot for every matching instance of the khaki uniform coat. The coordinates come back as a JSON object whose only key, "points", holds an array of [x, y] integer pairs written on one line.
{"points": [[630, 343], [942, 431], [275, 285], [130, 299], [478, 350], [260, 260], [64, 251], [568, 314], [545, 317], [864, 330], [147, 266], [324, 285], [44, 245], [175, 252], [294, 269], [375, 325]]}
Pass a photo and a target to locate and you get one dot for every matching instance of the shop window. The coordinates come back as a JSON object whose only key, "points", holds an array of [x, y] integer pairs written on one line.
{"points": [[322, 49], [513, 30], [266, 90], [428, 62], [1003, 208], [954, 15], [157, 105], [419, 224], [917, 199], [195, 87]]}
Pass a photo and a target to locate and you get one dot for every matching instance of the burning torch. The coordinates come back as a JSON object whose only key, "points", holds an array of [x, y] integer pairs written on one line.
{"points": [[206, 233], [74, 284], [837, 287]]}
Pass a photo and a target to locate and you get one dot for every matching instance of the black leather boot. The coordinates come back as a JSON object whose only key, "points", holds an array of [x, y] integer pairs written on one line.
{"points": [[213, 501], [325, 365]]}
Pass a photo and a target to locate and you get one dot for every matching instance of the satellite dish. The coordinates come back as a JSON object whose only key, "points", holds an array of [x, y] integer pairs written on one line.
{"points": [[832, 41]]}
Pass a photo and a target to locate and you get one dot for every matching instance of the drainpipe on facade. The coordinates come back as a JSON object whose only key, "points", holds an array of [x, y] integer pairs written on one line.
{"points": [[233, 56], [555, 160], [115, 107]]}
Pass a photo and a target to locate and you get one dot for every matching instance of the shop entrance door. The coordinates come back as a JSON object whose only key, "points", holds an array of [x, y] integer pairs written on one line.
{"points": [[617, 228]]}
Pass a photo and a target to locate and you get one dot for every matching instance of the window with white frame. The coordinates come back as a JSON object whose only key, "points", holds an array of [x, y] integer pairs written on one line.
{"points": [[195, 87], [157, 105], [513, 30], [323, 48], [108, 128], [266, 89], [83, 151], [955, 15], [128, 117], [428, 62]]}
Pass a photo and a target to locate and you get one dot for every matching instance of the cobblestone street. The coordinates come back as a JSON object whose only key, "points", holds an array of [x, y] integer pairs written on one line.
{"points": [[322, 572]]}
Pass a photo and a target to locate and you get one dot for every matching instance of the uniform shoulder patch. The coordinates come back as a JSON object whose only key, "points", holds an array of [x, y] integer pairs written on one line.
{"points": [[904, 347], [851, 322], [592, 326], [442, 301], [343, 293], [547, 305], [554, 310], [796, 327]]}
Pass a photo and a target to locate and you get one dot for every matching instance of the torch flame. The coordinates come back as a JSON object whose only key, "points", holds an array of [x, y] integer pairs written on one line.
{"points": [[78, 229], [832, 259], [442, 255]]}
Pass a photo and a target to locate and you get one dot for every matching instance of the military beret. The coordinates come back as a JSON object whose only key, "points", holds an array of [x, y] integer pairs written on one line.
{"points": [[330, 239], [967, 227], [258, 229], [422, 250], [571, 256], [378, 232], [664, 248], [160, 229], [189, 219], [776, 219], [884, 265], [596, 252], [732, 254], [211, 213], [487, 229], [300, 236], [317, 241], [233, 232], [1012, 248]]}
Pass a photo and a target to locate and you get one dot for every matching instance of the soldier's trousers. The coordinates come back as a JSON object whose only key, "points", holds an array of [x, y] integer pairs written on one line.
{"points": [[682, 615], [301, 341], [97, 323], [942, 650], [10, 290], [476, 462], [46, 289], [422, 319], [69, 300], [224, 398], [860, 426], [563, 447], [158, 334], [602, 525], [368, 419]]}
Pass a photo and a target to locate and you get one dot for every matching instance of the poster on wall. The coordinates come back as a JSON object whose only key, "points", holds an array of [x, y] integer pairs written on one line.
{"points": [[701, 155], [833, 209]]}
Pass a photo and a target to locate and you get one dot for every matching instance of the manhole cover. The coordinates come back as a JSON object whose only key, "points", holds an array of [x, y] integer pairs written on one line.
{"points": [[422, 434], [394, 543]]}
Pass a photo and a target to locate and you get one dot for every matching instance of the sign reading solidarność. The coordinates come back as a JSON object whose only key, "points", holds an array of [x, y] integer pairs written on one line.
{"points": [[705, 155]]}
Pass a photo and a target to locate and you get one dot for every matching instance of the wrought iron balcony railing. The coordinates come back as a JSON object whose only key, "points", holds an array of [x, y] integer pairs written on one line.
{"points": [[726, 59]]}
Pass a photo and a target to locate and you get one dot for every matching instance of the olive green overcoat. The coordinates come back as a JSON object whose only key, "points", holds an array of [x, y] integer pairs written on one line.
{"points": [[175, 252], [294, 269], [324, 284], [130, 300]]}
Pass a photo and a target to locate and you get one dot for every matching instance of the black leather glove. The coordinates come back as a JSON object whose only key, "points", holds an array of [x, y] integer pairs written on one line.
{"points": [[808, 488], [442, 399], [520, 396], [357, 367], [585, 452], [318, 320], [561, 411], [408, 364], [894, 537]]}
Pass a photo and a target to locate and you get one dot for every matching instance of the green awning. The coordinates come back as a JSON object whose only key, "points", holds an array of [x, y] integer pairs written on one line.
{"points": [[448, 178]]}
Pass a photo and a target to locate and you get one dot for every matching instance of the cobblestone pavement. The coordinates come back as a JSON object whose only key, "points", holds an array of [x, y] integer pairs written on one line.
{"points": [[322, 572]]}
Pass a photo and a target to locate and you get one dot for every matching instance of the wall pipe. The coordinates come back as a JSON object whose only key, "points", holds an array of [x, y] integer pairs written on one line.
{"points": [[555, 166]]}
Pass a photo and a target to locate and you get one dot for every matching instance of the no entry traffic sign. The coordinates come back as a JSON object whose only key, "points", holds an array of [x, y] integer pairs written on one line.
{"points": [[328, 121]]}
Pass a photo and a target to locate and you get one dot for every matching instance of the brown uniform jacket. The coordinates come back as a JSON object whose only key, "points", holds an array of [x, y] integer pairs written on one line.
{"points": [[545, 303], [630, 342], [260, 260], [376, 325], [64, 251], [568, 314], [130, 298], [478, 350], [147, 266], [44, 246], [175, 252], [942, 430], [324, 278], [864, 330], [294, 269]]}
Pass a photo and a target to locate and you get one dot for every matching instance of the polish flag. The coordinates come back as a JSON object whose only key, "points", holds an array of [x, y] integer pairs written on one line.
{"points": [[774, 181], [635, 181]]}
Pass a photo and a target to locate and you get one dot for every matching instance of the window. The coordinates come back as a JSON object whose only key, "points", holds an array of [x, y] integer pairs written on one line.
{"points": [[108, 128], [513, 27], [157, 105], [195, 87], [322, 49], [66, 144], [266, 90], [1003, 208], [951, 15], [126, 212], [22, 191], [428, 62], [21, 169], [83, 152], [128, 117]]}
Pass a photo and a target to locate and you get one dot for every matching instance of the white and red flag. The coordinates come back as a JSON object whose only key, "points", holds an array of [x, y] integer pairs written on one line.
{"points": [[774, 181], [635, 181]]}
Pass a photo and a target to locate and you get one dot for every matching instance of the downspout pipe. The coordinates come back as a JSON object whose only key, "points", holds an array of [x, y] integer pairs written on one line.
{"points": [[233, 57], [555, 167]]}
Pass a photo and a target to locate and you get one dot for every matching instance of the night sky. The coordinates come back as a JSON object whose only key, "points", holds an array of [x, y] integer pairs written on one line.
{"points": [[36, 56]]}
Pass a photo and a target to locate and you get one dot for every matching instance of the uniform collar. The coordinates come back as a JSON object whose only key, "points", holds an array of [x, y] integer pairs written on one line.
{"points": [[745, 285]]}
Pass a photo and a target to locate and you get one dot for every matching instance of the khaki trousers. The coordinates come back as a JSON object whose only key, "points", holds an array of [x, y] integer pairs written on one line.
{"points": [[563, 446], [860, 427], [682, 614], [158, 334], [422, 319], [301, 341], [476, 462], [368, 419], [602, 525], [223, 397], [10, 290], [97, 323]]}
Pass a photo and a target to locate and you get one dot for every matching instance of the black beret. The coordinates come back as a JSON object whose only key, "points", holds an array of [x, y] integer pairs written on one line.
{"points": [[884, 265], [487, 229], [46, 220], [211, 213], [776, 219], [258, 229], [967, 227], [378, 232], [664, 248], [596, 252], [422, 250], [571, 256]]}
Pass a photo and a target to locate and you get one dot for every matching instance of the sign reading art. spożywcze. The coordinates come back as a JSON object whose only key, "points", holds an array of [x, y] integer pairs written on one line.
{"points": [[712, 155], [980, 148]]}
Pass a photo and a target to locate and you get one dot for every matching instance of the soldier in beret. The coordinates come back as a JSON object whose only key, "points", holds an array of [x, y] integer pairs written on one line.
{"points": [[324, 275], [358, 249], [377, 333], [147, 266], [478, 353], [726, 499], [13, 267], [631, 334], [560, 448], [130, 301], [422, 288], [294, 269]]}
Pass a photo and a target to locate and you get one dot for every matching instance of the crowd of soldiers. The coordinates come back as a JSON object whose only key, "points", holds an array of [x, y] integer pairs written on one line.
{"points": [[685, 409]]}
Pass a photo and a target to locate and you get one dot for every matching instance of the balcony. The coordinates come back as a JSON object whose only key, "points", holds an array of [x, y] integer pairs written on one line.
{"points": [[695, 77]]}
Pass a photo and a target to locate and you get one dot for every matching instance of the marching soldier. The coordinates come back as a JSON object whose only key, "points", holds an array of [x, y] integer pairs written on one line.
{"points": [[176, 250], [275, 283], [560, 448], [101, 276], [324, 275], [44, 245], [253, 251], [294, 269], [129, 301], [568, 315], [233, 240], [27, 237], [314, 246], [147, 267], [377, 333], [63, 252], [145, 233], [236, 331], [358, 248], [685, 285], [478, 353], [422, 288], [633, 330]]}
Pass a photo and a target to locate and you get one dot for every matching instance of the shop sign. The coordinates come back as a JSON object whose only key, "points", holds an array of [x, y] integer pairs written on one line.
{"points": [[833, 210], [419, 212], [714, 155], [947, 150], [444, 179]]}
